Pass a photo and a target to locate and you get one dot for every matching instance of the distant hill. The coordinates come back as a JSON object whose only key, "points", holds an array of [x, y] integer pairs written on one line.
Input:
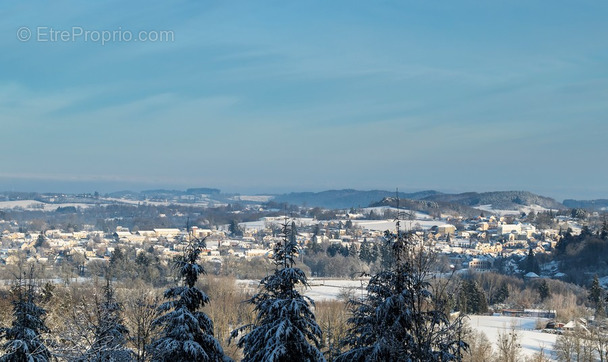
{"points": [[429, 207], [500, 200], [203, 191], [162, 193], [593, 205], [344, 199]]}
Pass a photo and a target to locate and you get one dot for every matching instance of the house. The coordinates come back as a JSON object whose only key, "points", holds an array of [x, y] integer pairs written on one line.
{"points": [[531, 275], [167, 233], [509, 228], [480, 264], [446, 229]]}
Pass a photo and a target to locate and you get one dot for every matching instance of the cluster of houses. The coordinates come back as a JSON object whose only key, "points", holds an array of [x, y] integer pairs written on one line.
{"points": [[474, 243]]}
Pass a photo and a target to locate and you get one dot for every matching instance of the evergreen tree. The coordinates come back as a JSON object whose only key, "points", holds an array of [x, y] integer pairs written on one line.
{"points": [[365, 252], [386, 255], [368, 252], [543, 290], [285, 328], [596, 296], [315, 247], [23, 341], [110, 339], [186, 332], [471, 299], [604, 231], [401, 318], [531, 264], [501, 294], [235, 229], [374, 253], [294, 233], [41, 241]]}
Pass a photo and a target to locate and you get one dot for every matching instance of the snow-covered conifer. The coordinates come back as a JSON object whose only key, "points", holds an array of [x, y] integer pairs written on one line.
{"points": [[187, 333], [110, 335], [23, 341], [285, 328], [401, 319]]}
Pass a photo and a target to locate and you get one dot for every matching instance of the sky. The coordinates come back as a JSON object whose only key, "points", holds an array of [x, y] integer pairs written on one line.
{"points": [[278, 96]]}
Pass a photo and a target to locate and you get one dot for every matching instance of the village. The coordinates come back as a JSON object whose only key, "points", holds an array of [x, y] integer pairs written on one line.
{"points": [[474, 244]]}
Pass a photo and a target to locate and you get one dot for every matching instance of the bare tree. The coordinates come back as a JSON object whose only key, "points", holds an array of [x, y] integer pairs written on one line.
{"points": [[509, 347], [480, 347], [140, 312]]}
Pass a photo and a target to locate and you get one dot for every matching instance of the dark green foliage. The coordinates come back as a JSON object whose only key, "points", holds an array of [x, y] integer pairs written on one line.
{"points": [[235, 229], [580, 214], [501, 294], [604, 231], [578, 254], [368, 253], [23, 341], [186, 332], [285, 328], [471, 299], [530, 263], [401, 319], [597, 297], [41, 242], [110, 334], [315, 247], [595, 291], [386, 256], [543, 290]]}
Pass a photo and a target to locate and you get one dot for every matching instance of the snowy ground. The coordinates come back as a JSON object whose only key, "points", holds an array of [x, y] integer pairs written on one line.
{"points": [[382, 225], [380, 211], [261, 224], [531, 340], [253, 198], [525, 209], [37, 205], [331, 289]]}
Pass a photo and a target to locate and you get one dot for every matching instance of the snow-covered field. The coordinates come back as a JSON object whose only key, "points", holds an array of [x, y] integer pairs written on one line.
{"points": [[531, 340], [253, 198], [261, 224], [37, 205], [380, 210], [521, 209], [330, 289], [381, 225]]}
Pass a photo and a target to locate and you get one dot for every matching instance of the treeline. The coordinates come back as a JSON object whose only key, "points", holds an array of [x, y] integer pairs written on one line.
{"points": [[481, 293], [403, 315], [583, 255], [135, 217]]}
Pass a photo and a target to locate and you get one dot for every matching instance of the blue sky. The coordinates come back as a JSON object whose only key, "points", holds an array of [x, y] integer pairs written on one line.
{"points": [[274, 96]]}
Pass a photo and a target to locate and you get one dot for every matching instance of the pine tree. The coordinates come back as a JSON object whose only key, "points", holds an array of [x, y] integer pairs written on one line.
{"points": [[401, 319], [543, 290], [24, 340], [235, 229], [595, 292], [365, 252], [604, 231], [285, 328], [187, 333], [471, 299], [531, 264], [596, 297], [110, 338], [502, 294]]}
